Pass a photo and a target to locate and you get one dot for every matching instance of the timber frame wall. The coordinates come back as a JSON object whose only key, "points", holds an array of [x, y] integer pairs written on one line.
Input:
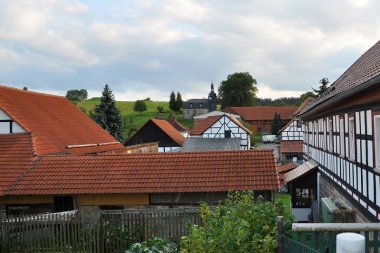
{"points": [[349, 166], [224, 124], [293, 132]]}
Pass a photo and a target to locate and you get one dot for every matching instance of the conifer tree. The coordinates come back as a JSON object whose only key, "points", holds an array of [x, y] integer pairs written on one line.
{"points": [[172, 102], [179, 102], [277, 124], [323, 86], [107, 115]]}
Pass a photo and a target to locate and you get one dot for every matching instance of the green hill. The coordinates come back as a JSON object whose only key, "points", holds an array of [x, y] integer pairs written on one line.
{"points": [[133, 120]]}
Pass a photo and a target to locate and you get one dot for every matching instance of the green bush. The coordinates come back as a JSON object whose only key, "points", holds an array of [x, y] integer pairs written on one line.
{"points": [[239, 225], [155, 245]]}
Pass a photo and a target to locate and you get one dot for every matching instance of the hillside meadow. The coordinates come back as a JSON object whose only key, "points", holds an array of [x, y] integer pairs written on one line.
{"points": [[133, 120]]}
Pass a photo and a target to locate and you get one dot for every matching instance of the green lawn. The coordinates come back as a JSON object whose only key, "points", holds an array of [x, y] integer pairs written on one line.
{"points": [[133, 120], [284, 198]]}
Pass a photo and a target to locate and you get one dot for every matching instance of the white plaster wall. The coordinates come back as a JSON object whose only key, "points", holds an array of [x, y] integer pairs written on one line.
{"points": [[4, 126]]}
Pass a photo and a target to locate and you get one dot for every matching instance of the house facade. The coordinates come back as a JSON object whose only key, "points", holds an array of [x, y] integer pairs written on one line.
{"points": [[291, 138], [222, 126], [261, 118], [342, 135], [196, 107]]}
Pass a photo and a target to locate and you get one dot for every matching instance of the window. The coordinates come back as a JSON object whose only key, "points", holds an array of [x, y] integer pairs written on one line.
{"points": [[200, 105], [191, 105], [227, 134], [298, 124], [377, 140], [341, 136], [351, 138]]}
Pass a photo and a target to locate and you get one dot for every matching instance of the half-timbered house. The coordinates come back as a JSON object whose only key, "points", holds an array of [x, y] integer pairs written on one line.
{"points": [[342, 134], [222, 126], [291, 136]]}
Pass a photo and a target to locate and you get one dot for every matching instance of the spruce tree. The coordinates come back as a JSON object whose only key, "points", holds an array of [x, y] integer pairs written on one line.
{"points": [[179, 102], [107, 115], [277, 124], [172, 102], [323, 86]]}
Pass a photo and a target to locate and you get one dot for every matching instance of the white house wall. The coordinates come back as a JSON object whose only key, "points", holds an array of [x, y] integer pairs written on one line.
{"points": [[218, 129], [293, 132], [357, 177], [7, 125]]}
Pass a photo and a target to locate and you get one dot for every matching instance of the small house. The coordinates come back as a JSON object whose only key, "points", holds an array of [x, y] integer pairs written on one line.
{"points": [[157, 130], [222, 126]]}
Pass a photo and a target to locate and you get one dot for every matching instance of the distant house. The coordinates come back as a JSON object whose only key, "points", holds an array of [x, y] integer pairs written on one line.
{"points": [[222, 126], [291, 136], [261, 117], [157, 130], [195, 107], [210, 144]]}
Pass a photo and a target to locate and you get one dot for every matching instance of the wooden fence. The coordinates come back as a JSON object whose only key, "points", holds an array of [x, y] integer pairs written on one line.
{"points": [[102, 232]]}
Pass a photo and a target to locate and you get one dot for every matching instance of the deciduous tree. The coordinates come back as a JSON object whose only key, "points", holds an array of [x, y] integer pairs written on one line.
{"points": [[139, 106], [238, 90], [107, 115]]}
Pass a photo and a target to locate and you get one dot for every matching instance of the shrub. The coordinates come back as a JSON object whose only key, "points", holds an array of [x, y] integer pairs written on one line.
{"points": [[239, 225], [155, 245]]}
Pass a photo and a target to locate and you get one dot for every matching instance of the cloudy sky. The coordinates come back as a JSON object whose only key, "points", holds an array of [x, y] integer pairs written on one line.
{"points": [[145, 48]]}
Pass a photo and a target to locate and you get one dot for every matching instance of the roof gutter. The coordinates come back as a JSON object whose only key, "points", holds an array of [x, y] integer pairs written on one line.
{"points": [[337, 98]]}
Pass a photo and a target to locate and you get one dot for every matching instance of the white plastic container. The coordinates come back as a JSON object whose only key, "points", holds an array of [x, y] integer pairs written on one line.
{"points": [[350, 243]]}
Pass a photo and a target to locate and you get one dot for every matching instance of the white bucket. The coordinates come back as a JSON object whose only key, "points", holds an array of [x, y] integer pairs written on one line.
{"points": [[350, 243]]}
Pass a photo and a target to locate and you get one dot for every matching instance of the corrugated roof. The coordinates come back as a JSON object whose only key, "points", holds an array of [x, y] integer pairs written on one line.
{"points": [[300, 171], [362, 70], [251, 113], [194, 144], [54, 121], [217, 171]]}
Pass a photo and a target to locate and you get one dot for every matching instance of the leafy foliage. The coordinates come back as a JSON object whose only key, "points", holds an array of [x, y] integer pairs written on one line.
{"points": [[155, 245], [140, 106], [172, 102], [240, 225], [304, 96], [77, 95], [285, 101], [160, 109], [107, 115], [277, 124], [178, 102], [238, 90], [323, 86]]}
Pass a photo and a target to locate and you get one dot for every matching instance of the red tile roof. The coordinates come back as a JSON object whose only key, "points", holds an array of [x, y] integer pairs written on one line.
{"points": [[178, 125], [251, 113], [217, 171], [201, 125], [16, 154], [364, 69], [54, 121], [285, 168], [168, 129], [291, 146]]}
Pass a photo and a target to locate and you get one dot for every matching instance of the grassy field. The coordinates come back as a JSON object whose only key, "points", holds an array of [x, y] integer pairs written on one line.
{"points": [[285, 199], [133, 120]]}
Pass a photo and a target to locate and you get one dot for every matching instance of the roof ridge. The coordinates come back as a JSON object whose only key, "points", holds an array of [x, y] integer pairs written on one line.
{"points": [[29, 91]]}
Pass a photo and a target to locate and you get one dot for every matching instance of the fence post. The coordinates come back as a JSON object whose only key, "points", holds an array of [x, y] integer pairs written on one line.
{"points": [[280, 234]]}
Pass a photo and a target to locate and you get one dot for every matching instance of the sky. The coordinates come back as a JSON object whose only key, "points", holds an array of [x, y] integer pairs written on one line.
{"points": [[145, 48]]}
